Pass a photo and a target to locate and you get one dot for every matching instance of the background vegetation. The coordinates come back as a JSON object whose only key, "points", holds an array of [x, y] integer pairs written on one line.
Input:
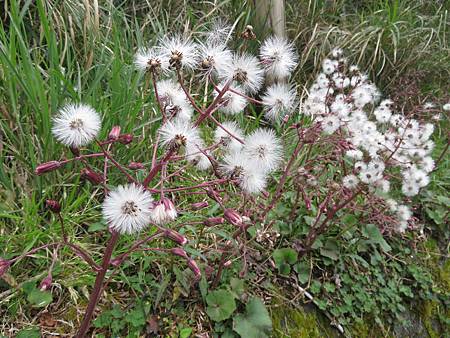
{"points": [[57, 51]]}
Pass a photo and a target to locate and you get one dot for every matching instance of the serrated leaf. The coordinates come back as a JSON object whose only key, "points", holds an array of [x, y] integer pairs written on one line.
{"points": [[255, 322], [221, 305]]}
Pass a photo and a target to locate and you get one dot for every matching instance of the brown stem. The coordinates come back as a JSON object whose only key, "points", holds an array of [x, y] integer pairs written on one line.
{"points": [[116, 164], [95, 295], [157, 167]]}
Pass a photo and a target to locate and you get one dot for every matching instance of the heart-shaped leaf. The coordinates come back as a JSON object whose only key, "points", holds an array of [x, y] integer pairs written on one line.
{"points": [[221, 305], [255, 322]]}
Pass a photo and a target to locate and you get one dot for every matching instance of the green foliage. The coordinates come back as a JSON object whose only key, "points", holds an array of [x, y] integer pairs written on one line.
{"points": [[221, 305], [255, 322], [284, 258]]}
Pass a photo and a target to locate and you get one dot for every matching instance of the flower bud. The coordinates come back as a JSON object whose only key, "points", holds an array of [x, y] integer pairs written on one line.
{"points": [[116, 261], [135, 165], [4, 266], [233, 217], [214, 195], [126, 138], [194, 267], [46, 167], [91, 176], [53, 206], [163, 212], [179, 252], [209, 222], [227, 264], [46, 283], [199, 205], [175, 236], [114, 133]]}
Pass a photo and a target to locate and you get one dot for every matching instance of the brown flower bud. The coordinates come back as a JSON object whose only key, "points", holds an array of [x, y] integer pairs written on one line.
{"points": [[214, 195], [194, 267], [4, 266], [135, 165], [233, 217], [126, 138], [47, 167], [179, 252], [53, 205], [175, 236], [209, 222], [46, 283], [91, 176], [114, 133], [199, 205]]}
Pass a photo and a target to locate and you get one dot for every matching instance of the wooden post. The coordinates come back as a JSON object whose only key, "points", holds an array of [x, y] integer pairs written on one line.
{"points": [[270, 16]]}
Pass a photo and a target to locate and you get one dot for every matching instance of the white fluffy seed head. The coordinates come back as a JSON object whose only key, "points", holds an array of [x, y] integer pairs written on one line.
{"points": [[278, 57], [350, 181], [215, 59], [76, 125], [179, 133], [180, 52], [127, 209], [278, 101], [264, 148], [230, 143], [239, 165], [150, 59], [232, 103], [246, 71]]}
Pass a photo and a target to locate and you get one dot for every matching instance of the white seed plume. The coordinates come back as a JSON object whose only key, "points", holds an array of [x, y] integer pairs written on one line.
{"points": [[173, 100], [251, 178], [278, 57], [229, 141], [246, 71], [127, 208], [76, 125], [232, 103], [180, 52], [215, 59], [278, 101], [264, 148], [150, 58], [179, 133]]}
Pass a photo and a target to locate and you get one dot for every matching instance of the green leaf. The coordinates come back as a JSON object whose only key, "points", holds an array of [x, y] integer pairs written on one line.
{"points": [[330, 249], [39, 298], [237, 287], [221, 305], [302, 269], [97, 226], [373, 233], [255, 322], [29, 333], [284, 258], [136, 317], [185, 332]]}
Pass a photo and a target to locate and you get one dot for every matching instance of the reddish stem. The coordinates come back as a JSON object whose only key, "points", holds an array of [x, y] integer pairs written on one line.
{"points": [[95, 295]]}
